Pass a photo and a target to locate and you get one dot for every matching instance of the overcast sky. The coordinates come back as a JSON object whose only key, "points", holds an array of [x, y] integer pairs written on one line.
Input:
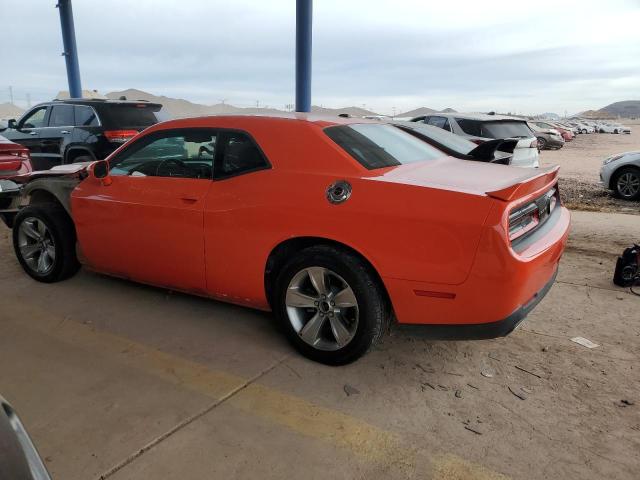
{"points": [[525, 57]]}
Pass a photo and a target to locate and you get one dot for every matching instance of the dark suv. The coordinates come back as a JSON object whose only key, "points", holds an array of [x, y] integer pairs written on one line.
{"points": [[79, 130]]}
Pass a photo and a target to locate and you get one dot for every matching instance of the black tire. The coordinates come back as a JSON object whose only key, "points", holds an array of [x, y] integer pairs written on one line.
{"points": [[615, 131], [373, 308], [62, 237], [542, 143], [634, 173]]}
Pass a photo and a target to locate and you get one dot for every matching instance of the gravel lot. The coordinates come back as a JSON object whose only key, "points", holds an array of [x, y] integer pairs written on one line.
{"points": [[580, 162]]}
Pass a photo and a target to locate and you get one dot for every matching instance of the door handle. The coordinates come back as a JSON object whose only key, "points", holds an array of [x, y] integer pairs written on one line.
{"points": [[33, 133], [66, 132], [189, 200]]}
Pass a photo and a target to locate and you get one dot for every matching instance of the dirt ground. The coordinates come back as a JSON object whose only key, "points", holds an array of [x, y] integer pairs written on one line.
{"points": [[580, 161], [122, 381]]}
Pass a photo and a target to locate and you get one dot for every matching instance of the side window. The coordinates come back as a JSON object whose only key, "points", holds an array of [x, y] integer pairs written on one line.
{"points": [[85, 116], [183, 153], [35, 119], [61, 116], [239, 155], [470, 127]]}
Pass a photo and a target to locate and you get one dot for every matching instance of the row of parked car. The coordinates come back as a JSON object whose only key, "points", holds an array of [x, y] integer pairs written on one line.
{"points": [[83, 130]]}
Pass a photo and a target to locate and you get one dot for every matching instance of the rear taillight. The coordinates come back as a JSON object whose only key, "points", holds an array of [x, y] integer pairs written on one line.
{"points": [[534, 144], [524, 219], [11, 166], [120, 136]]}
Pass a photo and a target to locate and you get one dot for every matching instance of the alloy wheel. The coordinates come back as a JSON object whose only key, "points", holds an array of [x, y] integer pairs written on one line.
{"points": [[629, 184], [36, 245], [322, 308]]}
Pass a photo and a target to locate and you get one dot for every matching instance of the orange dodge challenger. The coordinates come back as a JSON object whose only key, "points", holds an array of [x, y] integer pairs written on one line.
{"points": [[336, 225]]}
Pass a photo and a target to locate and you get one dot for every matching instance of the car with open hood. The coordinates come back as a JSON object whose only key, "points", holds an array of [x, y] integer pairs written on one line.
{"points": [[481, 127], [337, 225], [498, 151]]}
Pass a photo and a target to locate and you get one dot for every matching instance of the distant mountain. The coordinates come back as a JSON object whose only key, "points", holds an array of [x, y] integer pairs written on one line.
{"points": [[9, 110], [417, 112], [178, 108], [449, 110], [353, 111], [626, 109]]}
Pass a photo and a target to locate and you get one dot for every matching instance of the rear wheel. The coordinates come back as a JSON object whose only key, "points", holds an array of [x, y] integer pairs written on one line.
{"points": [[584, 130], [626, 183], [44, 241], [330, 304]]}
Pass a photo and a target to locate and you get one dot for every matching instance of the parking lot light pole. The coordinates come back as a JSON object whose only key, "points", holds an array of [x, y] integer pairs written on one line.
{"points": [[70, 50], [304, 11]]}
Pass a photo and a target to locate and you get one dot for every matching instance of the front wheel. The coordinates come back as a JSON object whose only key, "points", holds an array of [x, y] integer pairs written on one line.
{"points": [[44, 241], [627, 183], [330, 304], [542, 143]]}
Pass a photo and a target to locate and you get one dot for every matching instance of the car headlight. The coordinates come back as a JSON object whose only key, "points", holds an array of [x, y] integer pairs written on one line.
{"points": [[612, 159]]}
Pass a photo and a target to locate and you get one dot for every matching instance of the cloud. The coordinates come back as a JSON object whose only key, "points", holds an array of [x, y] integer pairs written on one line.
{"points": [[469, 55]]}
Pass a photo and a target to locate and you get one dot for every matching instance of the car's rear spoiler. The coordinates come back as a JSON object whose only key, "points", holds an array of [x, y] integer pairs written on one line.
{"points": [[486, 150], [527, 185]]}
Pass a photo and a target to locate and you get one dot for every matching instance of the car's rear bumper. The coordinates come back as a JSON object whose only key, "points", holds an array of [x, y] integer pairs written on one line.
{"points": [[505, 282], [480, 331]]}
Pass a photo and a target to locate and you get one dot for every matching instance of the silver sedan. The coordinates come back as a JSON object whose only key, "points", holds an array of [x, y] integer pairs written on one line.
{"points": [[621, 173]]}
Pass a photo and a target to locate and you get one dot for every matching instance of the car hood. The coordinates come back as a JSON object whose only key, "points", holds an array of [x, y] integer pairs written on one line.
{"points": [[447, 173], [71, 169]]}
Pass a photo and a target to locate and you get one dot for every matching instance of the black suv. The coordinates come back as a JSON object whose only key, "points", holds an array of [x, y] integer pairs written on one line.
{"points": [[79, 130]]}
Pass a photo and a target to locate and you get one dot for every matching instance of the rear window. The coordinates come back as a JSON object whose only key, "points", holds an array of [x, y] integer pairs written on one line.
{"points": [[129, 115], [378, 146], [497, 129]]}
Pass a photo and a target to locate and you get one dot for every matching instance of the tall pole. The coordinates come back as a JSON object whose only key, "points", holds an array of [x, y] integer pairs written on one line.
{"points": [[70, 50], [304, 10]]}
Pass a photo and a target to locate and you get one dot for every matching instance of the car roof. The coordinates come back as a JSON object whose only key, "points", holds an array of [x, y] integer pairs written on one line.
{"points": [[476, 116], [97, 101]]}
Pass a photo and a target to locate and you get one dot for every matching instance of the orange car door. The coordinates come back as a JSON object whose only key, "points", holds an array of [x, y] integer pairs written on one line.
{"points": [[147, 224]]}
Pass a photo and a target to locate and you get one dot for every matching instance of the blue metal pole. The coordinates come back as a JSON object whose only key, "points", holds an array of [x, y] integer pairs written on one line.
{"points": [[70, 50], [304, 11]]}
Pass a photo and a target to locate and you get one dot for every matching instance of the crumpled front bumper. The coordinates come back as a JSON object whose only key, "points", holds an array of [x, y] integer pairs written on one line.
{"points": [[10, 193]]}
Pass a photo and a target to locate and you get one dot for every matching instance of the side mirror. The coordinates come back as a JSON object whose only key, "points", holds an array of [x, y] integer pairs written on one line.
{"points": [[12, 124], [100, 171]]}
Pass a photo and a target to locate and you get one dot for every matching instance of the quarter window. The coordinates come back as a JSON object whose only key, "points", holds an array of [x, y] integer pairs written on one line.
{"points": [[85, 116], [61, 116], [184, 153], [35, 119], [239, 155]]}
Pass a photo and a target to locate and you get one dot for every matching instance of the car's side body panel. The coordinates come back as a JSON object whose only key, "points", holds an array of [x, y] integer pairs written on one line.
{"points": [[148, 229]]}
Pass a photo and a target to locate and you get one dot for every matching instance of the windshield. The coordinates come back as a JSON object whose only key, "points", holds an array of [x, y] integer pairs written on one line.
{"points": [[449, 140], [495, 129], [378, 146]]}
